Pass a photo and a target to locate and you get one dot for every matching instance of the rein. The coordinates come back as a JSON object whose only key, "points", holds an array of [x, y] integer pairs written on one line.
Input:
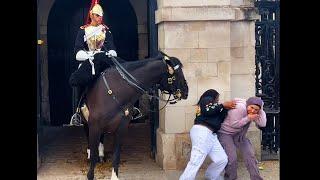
{"points": [[133, 82]]}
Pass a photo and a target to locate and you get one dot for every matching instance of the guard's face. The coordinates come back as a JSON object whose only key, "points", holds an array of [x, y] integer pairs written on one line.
{"points": [[96, 19], [253, 109]]}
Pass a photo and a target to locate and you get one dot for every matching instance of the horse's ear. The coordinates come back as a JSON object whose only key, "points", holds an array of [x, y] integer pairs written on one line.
{"points": [[164, 54], [166, 58], [161, 52]]}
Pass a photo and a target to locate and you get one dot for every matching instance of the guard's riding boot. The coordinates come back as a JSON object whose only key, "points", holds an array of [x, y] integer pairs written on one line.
{"points": [[76, 117]]}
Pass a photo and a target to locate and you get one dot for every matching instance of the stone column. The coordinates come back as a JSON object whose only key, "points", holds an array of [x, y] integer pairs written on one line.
{"points": [[203, 34], [43, 57], [242, 50], [38, 157], [140, 8], [44, 7]]}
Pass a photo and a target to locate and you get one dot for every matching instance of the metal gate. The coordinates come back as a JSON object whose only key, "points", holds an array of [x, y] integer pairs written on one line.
{"points": [[267, 62]]}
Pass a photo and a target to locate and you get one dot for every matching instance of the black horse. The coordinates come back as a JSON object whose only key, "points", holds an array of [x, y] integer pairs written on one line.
{"points": [[111, 96]]}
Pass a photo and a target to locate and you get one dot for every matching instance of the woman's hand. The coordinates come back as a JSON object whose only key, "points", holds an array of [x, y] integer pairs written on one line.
{"points": [[229, 104], [253, 117]]}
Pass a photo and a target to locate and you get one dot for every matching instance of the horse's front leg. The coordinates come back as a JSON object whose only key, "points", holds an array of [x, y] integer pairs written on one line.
{"points": [[86, 130], [101, 145], [116, 152], [94, 135], [117, 146]]}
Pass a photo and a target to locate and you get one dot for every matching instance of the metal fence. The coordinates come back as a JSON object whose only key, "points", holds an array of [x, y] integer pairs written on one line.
{"points": [[267, 62]]}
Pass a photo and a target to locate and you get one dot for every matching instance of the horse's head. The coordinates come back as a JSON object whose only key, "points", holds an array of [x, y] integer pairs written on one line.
{"points": [[174, 81]]}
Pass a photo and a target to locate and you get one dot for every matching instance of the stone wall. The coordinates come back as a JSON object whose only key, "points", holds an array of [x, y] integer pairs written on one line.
{"points": [[215, 42]]}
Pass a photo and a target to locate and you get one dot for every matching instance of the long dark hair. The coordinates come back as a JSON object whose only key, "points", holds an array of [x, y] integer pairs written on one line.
{"points": [[209, 93]]}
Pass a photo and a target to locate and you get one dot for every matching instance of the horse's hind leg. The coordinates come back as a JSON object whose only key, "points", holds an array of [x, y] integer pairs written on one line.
{"points": [[94, 135]]}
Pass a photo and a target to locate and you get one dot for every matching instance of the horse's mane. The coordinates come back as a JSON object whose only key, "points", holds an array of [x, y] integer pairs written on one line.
{"points": [[137, 64], [129, 65]]}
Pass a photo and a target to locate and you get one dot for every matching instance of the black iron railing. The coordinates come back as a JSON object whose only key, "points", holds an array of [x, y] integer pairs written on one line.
{"points": [[267, 46]]}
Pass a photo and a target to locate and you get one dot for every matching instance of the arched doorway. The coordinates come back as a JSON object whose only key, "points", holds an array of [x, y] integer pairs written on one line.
{"points": [[64, 20]]}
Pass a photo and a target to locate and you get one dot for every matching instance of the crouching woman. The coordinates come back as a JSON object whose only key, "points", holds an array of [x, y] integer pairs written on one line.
{"points": [[204, 138]]}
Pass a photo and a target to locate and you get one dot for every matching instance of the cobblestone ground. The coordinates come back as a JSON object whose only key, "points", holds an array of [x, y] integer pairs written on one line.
{"points": [[64, 158]]}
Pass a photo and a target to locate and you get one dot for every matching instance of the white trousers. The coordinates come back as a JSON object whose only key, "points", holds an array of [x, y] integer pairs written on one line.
{"points": [[204, 143]]}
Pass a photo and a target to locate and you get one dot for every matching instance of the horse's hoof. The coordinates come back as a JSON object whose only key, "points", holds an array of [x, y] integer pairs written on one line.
{"points": [[114, 175], [90, 177]]}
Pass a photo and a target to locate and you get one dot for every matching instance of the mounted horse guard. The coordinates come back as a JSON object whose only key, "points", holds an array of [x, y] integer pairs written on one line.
{"points": [[108, 104], [94, 38], [90, 40], [112, 86]]}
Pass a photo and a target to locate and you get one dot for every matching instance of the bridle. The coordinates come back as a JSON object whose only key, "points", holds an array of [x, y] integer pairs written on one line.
{"points": [[170, 81]]}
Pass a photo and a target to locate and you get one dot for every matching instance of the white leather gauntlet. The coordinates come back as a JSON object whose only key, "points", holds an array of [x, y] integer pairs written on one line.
{"points": [[111, 53], [82, 55]]}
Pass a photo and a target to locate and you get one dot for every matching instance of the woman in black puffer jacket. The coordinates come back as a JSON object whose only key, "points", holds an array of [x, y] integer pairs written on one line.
{"points": [[204, 140]]}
